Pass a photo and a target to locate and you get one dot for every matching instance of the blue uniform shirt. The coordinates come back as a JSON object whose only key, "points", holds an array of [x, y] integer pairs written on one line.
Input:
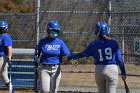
{"points": [[52, 50], [105, 52], [5, 40]]}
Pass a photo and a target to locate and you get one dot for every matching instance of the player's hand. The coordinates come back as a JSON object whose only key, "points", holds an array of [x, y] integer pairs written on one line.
{"points": [[74, 62], [36, 60], [123, 77], [36, 63], [64, 60], [9, 62]]}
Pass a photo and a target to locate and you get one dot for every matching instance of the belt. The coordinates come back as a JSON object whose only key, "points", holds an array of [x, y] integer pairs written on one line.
{"points": [[105, 64], [1, 55]]}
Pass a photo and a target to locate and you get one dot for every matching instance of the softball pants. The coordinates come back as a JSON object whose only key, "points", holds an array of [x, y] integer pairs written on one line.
{"points": [[106, 77], [4, 69], [50, 76]]}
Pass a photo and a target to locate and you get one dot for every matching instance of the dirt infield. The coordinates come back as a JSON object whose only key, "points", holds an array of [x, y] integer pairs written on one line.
{"points": [[87, 79]]}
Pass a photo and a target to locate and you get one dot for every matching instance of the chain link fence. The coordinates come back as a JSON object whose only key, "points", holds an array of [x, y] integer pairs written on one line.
{"points": [[77, 19]]}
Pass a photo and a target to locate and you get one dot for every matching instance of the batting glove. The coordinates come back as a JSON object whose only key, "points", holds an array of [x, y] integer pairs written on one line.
{"points": [[36, 61]]}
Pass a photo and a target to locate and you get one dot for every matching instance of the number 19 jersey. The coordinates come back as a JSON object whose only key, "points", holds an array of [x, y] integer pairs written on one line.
{"points": [[105, 52]]}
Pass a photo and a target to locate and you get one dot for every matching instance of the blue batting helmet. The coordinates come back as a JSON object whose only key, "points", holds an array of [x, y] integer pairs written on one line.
{"points": [[3, 26], [101, 29], [53, 25]]}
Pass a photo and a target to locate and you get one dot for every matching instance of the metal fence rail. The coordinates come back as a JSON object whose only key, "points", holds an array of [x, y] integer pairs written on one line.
{"points": [[77, 19]]}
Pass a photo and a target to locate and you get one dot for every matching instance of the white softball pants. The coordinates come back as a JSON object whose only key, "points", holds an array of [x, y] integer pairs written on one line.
{"points": [[4, 69], [106, 77], [50, 76]]}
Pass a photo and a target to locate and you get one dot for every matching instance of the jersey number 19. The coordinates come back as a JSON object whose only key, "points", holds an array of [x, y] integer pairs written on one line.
{"points": [[108, 53]]}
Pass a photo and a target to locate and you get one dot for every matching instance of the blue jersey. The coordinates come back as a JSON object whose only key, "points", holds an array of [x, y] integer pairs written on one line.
{"points": [[105, 52], [5, 40], [52, 50]]}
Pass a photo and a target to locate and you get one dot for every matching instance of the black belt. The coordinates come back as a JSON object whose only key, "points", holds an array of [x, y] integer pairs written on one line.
{"points": [[1, 55]]}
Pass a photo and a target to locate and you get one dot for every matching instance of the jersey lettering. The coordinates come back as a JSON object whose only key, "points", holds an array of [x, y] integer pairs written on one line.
{"points": [[108, 53], [52, 47]]}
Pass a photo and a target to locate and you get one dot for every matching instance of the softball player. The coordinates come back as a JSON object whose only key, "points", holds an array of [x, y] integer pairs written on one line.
{"points": [[5, 52], [50, 51], [107, 55]]}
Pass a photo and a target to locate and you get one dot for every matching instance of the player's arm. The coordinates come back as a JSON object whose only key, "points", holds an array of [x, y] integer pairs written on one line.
{"points": [[37, 53], [65, 50], [86, 53], [121, 64], [37, 56], [64, 53], [8, 45], [9, 50]]}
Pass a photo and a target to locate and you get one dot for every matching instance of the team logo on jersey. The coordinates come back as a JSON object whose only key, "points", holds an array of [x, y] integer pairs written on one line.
{"points": [[52, 47]]}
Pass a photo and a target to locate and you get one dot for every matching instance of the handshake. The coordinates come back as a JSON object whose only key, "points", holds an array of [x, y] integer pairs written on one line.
{"points": [[73, 62]]}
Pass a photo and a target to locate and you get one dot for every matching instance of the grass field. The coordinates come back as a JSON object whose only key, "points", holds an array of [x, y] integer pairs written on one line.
{"points": [[88, 80]]}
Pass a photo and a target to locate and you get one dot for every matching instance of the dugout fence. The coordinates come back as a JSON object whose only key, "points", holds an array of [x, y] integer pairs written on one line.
{"points": [[77, 19]]}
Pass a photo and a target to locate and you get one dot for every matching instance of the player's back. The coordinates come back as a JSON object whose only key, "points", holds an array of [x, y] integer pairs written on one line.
{"points": [[104, 51]]}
